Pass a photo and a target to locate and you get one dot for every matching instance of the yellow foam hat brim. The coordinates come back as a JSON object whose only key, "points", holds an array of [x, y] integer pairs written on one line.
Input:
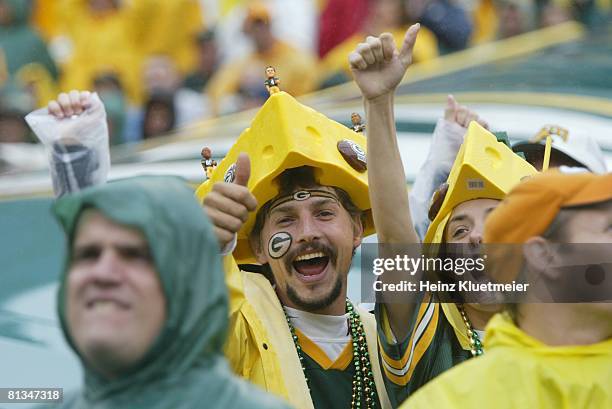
{"points": [[283, 135], [484, 169]]}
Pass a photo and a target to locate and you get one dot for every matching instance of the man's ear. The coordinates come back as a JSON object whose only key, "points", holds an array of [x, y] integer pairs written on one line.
{"points": [[256, 247], [539, 256], [357, 231]]}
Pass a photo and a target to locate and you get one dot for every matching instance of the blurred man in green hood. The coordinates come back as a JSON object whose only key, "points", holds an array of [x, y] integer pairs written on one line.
{"points": [[143, 300]]}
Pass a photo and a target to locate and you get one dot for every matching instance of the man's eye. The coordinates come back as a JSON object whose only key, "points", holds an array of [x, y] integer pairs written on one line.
{"points": [[326, 213], [284, 220], [88, 253], [460, 231], [136, 254]]}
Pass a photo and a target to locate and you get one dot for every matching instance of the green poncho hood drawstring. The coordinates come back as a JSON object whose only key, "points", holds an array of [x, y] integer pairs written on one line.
{"points": [[184, 367]]}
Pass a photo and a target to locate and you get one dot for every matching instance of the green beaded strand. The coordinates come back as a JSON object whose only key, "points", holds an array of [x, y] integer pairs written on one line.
{"points": [[476, 347], [363, 381]]}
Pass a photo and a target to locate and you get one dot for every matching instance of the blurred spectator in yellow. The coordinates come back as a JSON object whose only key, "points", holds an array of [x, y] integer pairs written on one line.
{"points": [[99, 37], [484, 18], [102, 36], [239, 84], [168, 27], [383, 16], [44, 17], [293, 21], [24, 54], [207, 61]]}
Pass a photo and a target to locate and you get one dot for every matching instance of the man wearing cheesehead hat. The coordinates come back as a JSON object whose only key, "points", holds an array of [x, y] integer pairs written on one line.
{"points": [[300, 208], [543, 354], [143, 300], [420, 336]]}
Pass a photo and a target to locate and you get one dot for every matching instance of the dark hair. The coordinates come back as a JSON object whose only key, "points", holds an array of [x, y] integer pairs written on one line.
{"points": [[301, 177], [164, 100]]}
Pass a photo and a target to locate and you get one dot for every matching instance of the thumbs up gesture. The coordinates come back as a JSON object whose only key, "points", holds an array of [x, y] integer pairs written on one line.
{"points": [[378, 66], [228, 204], [461, 115]]}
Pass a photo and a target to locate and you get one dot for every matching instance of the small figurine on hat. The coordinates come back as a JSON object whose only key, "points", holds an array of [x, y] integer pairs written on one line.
{"points": [[356, 120], [207, 162], [271, 81]]}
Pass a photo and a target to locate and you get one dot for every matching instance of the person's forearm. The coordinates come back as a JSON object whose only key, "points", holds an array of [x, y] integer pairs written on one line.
{"points": [[390, 208], [387, 180]]}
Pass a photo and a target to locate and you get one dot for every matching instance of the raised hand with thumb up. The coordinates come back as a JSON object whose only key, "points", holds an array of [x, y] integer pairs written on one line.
{"points": [[378, 66], [228, 204]]}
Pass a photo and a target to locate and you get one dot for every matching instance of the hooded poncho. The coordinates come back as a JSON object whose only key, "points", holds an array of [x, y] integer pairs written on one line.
{"points": [[184, 367]]}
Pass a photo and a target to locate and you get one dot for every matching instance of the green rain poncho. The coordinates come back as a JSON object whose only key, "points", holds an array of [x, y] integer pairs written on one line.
{"points": [[184, 367]]}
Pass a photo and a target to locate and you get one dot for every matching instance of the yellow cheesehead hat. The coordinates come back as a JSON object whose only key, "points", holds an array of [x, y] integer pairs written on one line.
{"points": [[286, 134], [484, 169]]}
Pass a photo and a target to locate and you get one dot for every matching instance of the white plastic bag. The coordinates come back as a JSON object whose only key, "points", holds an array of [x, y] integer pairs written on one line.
{"points": [[77, 147]]}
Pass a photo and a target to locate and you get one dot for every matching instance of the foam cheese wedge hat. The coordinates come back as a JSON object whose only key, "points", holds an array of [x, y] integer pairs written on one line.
{"points": [[286, 134], [484, 169]]}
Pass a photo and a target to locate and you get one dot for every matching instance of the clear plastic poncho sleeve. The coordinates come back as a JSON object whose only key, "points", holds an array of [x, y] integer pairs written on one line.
{"points": [[445, 143]]}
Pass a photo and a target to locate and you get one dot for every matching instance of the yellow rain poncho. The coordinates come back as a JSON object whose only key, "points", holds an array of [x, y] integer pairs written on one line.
{"points": [[123, 38], [520, 372], [111, 47]]}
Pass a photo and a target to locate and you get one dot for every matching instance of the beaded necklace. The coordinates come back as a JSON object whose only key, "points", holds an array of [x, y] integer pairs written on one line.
{"points": [[363, 380], [475, 343]]}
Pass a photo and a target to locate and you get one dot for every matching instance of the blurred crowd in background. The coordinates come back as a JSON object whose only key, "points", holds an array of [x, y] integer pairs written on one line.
{"points": [[161, 64]]}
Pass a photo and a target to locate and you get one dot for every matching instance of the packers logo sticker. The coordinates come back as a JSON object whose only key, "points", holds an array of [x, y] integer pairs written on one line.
{"points": [[353, 154], [230, 175], [301, 195], [279, 244]]}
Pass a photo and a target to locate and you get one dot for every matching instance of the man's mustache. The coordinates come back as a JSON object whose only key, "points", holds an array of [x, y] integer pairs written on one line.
{"points": [[309, 247]]}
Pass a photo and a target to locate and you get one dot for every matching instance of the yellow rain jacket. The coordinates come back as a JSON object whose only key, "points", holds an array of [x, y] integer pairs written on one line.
{"points": [[169, 27], [520, 372], [260, 347], [295, 68], [101, 44]]}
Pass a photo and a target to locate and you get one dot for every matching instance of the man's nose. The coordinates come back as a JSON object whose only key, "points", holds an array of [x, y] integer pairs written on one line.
{"points": [[308, 230], [475, 236], [108, 268]]}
